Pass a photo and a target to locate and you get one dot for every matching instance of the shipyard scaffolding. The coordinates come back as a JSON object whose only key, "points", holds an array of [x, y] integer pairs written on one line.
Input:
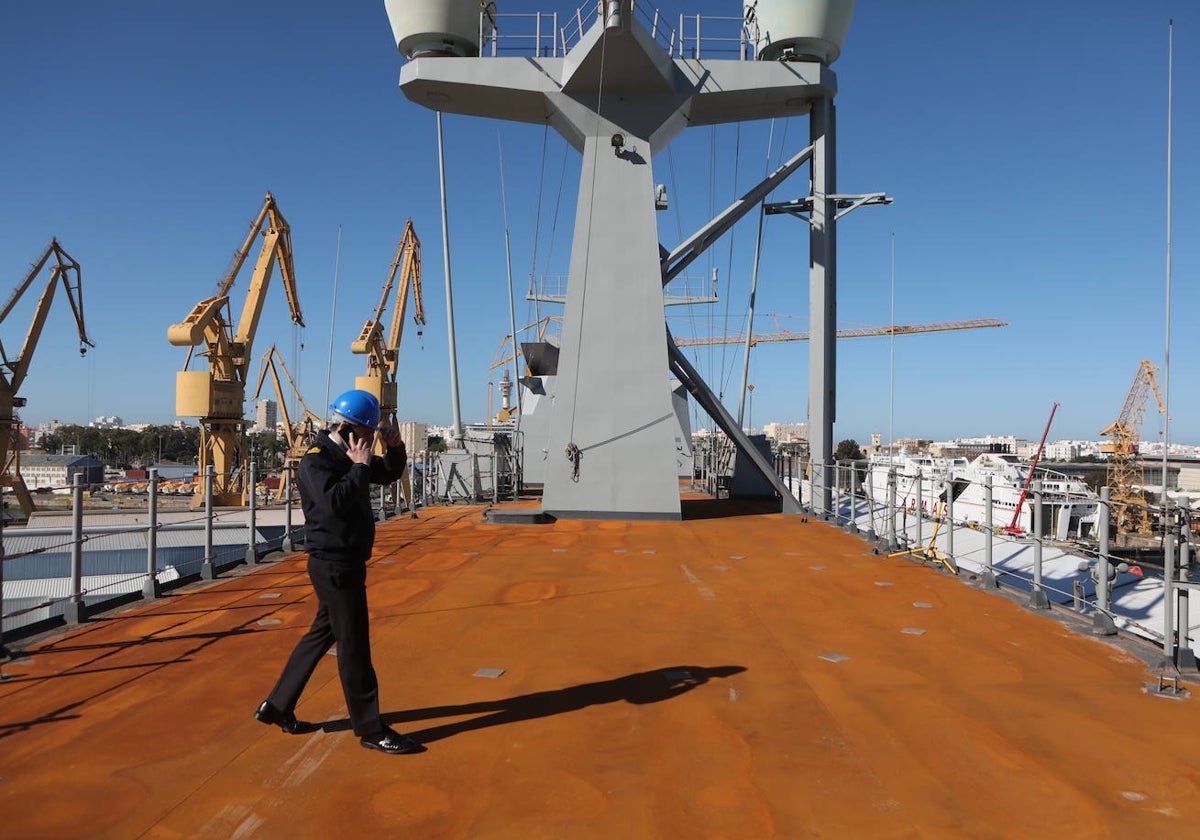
{"points": [[619, 86]]}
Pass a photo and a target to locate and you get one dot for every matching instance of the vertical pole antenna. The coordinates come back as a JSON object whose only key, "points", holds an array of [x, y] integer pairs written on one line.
{"points": [[337, 265]]}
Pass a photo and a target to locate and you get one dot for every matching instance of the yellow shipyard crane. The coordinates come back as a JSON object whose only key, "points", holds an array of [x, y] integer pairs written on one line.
{"points": [[216, 396], [1126, 470], [383, 356], [14, 369], [301, 433]]}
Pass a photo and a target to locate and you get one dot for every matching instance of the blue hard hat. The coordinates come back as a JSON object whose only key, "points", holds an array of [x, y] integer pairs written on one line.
{"points": [[359, 407]]}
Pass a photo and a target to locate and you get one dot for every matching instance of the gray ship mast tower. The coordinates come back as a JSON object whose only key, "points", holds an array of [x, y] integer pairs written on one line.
{"points": [[619, 96]]}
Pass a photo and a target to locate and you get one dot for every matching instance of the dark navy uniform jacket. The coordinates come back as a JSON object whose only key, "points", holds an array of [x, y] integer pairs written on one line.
{"points": [[335, 494]]}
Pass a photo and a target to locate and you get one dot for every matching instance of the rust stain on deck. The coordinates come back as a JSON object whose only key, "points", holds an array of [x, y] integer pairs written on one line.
{"points": [[660, 680]]}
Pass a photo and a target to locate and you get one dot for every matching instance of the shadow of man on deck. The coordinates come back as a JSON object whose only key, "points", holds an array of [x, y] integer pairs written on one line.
{"points": [[645, 687]]}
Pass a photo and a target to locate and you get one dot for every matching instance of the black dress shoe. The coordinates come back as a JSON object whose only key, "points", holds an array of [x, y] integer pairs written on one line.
{"points": [[392, 743], [271, 716]]}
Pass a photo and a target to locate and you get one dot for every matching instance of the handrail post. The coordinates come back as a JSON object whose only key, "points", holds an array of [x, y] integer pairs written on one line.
{"points": [[917, 508], [207, 571], [75, 612], [1037, 598], [1187, 656], [989, 526], [286, 544], [1102, 622], [836, 495], [852, 523], [151, 589], [252, 536], [1170, 628], [495, 478], [949, 517], [1103, 568], [893, 543], [869, 497]]}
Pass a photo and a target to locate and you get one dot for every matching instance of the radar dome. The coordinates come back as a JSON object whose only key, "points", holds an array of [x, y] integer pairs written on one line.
{"points": [[796, 29], [440, 27]]}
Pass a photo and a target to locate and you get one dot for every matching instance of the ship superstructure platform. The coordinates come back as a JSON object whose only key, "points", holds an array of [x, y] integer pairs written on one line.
{"points": [[735, 674]]}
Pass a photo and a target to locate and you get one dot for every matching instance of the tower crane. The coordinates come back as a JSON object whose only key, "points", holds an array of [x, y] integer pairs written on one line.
{"points": [[1126, 471], [300, 434], [14, 370], [504, 355], [383, 357], [846, 332], [216, 396]]}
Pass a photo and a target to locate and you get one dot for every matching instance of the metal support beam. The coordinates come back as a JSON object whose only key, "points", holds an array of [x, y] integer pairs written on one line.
{"points": [[822, 298], [696, 386], [696, 244]]}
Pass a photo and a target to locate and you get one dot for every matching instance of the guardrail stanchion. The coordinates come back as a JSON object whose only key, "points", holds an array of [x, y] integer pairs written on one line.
{"points": [[286, 544], [852, 524], [893, 543], [869, 496], [207, 572], [1102, 622], [1187, 656], [252, 536], [948, 512], [74, 611], [919, 508], [989, 526], [1037, 597], [151, 589]]}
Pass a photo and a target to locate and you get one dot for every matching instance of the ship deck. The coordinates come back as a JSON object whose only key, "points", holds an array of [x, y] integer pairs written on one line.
{"points": [[736, 674]]}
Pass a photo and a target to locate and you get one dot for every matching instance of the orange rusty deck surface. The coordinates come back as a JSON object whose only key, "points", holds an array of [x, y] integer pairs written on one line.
{"points": [[660, 680]]}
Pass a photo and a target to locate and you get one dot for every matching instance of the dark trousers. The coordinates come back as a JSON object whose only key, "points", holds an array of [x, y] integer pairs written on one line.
{"points": [[341, 617]]}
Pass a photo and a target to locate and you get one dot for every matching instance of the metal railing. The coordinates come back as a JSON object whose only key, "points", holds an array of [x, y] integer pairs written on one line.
{"points": [[549, 35], [63, 572], [909, 516]]}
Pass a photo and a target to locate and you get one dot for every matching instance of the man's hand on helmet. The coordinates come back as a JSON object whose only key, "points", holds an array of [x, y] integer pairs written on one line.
{"points": [[391, 437]]}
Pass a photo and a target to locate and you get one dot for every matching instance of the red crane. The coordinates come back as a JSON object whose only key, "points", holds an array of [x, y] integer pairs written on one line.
{"points": [[1012, 526]]}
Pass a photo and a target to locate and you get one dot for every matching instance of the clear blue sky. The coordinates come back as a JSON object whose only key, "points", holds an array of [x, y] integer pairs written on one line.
{"points": [[1024, 144]]}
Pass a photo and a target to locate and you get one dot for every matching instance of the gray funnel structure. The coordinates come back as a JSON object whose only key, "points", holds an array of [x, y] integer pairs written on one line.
{"points": [[619, 98]]}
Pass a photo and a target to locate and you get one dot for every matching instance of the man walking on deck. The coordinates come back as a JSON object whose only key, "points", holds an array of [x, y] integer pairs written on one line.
{"points": [[335, 478]]}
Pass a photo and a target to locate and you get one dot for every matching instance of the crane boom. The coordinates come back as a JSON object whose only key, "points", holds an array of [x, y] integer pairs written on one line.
{"points": [[217, 396], [14, 369], [845, 332]]}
